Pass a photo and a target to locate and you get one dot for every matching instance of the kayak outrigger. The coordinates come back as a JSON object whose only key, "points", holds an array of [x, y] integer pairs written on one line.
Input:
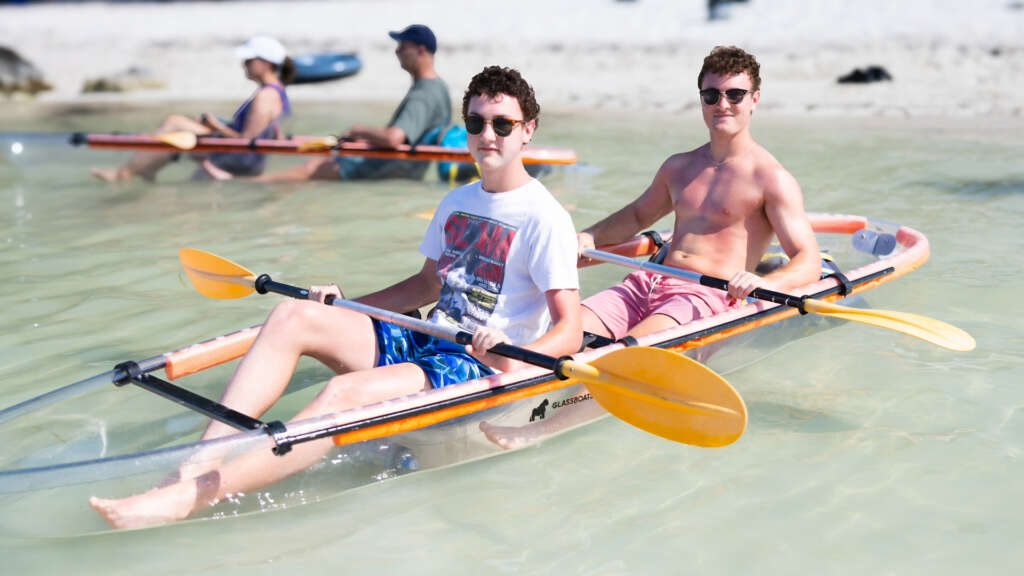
{"points": [[438, 427]]}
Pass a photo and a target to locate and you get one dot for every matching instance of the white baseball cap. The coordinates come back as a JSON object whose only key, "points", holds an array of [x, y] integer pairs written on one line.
{"points": [[264, 48]]}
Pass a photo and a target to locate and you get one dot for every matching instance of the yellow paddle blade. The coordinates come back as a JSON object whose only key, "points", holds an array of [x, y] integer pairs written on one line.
{"points": [[927, 329], [666, 394], [216, 277], [180, 140], [319, 144]]}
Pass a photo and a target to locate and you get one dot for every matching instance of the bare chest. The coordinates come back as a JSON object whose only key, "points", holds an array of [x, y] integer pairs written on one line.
{"points": [[718, 197]]}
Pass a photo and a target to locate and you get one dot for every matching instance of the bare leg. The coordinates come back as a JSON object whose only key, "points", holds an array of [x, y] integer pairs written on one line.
{"points": [[261, 468], [147, 164], [593, 324], [651, 324], [215, 172], [512, 437], [341, 339]]}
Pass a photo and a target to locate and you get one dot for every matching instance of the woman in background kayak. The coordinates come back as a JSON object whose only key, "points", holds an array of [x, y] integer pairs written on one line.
{"points": [[267, 64]]}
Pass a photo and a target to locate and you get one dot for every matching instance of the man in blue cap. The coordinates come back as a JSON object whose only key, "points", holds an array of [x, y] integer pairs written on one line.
{"points": [[426, 105]]}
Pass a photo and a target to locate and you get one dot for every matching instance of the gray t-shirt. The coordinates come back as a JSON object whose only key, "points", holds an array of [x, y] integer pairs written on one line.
{"points": [[426, 105]]}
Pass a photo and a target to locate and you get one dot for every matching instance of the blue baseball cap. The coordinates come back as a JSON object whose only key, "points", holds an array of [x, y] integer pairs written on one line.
{"points": [[417, 34]]}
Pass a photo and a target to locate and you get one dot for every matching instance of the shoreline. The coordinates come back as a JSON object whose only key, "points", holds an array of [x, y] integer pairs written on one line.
{"points": [[25, 116], [947, 59]]}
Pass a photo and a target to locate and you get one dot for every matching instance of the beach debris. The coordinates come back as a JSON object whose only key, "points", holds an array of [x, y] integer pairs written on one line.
{"points": [[865, 75], [19, 75], [134, 78]]}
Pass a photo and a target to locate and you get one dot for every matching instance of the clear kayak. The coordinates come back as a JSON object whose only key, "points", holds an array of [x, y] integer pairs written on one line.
{"points": [[16, 144], [57, 452], [305, 145]]}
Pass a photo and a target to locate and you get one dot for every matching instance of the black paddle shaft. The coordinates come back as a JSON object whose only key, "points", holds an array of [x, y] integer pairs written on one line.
{"points": [[264, 284], [759, 293]]}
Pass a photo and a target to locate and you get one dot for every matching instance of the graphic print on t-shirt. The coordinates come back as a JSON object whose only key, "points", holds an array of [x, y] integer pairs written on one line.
{"points": [[472, 267]]}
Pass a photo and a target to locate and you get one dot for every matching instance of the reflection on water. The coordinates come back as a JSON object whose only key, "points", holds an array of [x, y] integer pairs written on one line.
{"points": [[867, 451]]}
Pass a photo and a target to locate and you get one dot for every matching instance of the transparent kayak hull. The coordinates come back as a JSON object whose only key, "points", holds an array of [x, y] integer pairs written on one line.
{"points": [[61, 451]]}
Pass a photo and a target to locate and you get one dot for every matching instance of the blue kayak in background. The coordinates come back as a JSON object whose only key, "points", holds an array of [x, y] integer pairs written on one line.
{"points": [[324, 66]]}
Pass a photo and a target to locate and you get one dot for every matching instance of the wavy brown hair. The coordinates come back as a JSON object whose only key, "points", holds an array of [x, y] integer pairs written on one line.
{"points": [[729, 60], [286, 71], [494, 80]]}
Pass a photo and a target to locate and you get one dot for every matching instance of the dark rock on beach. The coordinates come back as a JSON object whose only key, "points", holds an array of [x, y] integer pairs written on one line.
{"points": [[19, 75], [866, 75], [131, 79]]}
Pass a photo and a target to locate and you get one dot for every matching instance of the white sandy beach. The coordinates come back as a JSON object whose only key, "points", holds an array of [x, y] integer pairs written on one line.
{"points": [[948, 58]]}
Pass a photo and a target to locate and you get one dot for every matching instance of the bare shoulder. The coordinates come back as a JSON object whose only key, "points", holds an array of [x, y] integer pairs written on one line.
{"points": [[267, 95], [776, 181], [681, 160], [679, 164]]}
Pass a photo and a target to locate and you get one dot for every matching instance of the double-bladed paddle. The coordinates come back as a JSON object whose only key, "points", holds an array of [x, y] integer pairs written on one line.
{"points": [[182, 140], [656, 390], [927, 329]]}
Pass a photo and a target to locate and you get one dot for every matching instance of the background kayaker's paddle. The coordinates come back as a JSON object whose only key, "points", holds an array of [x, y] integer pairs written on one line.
{"points": [[656, 390], [927, 329], [180, 140], [324, 143]]}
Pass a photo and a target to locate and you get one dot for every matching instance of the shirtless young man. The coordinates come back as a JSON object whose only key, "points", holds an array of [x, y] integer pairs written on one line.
{"points": [[729, 197], [500, 261]]}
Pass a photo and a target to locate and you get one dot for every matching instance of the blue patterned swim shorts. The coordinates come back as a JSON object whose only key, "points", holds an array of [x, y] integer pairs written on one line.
{"points": [[444, 362]]}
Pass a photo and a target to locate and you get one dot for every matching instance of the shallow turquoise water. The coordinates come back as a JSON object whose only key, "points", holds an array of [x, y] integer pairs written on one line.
{"points": [[867, 452]]}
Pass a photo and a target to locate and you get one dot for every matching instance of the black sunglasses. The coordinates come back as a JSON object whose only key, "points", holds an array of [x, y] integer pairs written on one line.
{"points": [[502, 126], [711, 96]]}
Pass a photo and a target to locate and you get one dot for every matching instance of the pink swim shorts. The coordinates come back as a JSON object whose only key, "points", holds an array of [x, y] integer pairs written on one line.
{"points": [[642, 294]]}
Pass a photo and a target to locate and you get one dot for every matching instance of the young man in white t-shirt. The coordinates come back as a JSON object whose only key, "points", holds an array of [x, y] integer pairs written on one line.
{"points": [[500, 262]]}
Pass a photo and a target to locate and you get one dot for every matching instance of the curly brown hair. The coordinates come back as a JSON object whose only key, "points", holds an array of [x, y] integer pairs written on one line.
{"points": [[494, 80], [729, 60]]}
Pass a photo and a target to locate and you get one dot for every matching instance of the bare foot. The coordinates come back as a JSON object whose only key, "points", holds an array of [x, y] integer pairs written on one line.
{"points": [[111, 175], [508, 437], [153, 508], [215, 172]]}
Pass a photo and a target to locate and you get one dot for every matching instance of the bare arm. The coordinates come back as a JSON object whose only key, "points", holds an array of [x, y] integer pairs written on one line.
{"points": [[412, 293], [784, 207], [564, 337], [389, 137], [266, 106], [639, 214]]}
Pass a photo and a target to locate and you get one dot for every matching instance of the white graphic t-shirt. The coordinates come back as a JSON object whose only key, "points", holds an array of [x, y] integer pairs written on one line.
{"points": [[497, 253]]}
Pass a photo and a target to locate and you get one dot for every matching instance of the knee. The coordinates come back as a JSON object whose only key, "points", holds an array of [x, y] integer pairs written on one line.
{"points": [[300, 317], [174, 121], [293, 316]]}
